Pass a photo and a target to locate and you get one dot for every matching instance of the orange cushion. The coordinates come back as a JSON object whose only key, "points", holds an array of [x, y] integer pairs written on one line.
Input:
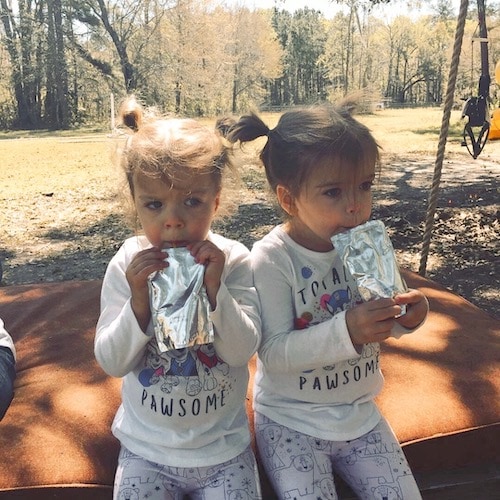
{"points": [[57, 430], [441, 394]]}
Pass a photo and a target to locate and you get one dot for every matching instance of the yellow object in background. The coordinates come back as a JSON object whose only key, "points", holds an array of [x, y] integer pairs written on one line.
{"points": [[494, 132]]}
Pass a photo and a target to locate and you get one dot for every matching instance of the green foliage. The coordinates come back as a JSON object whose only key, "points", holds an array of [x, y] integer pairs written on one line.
{"points": [[196, 58]]}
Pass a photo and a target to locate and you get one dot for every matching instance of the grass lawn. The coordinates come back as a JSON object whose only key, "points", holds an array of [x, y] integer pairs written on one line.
{"points": [[62, 214]]}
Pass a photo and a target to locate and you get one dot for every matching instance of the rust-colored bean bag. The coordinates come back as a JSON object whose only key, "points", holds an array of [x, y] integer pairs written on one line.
{"points": [[441, 397]]}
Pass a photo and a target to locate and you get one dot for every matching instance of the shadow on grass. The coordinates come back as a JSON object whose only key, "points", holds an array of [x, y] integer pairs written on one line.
{"points": [[250, 223], [111, 225], [464, 233]]}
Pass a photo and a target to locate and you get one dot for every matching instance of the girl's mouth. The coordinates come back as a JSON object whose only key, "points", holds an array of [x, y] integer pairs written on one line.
{"points": [[175, 244]]}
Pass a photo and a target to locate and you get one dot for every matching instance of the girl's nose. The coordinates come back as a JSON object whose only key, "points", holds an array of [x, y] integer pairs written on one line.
{"points": [[352, 208], [352, 204], [172, 218]]}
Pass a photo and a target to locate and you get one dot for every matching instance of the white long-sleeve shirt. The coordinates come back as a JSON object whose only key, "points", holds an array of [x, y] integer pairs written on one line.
{"points": [[6, 339], [184, 407], [310, 377]]}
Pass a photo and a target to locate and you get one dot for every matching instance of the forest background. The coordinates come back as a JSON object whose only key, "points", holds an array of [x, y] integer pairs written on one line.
{"points": [[65, 63]]}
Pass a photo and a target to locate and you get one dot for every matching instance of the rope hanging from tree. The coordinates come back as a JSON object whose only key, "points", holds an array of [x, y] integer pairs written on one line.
{"points": [[445, 124]]}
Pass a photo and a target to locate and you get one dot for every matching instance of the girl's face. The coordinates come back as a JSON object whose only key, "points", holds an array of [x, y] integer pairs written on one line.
{"points": [[177, 213], [327, 204]]}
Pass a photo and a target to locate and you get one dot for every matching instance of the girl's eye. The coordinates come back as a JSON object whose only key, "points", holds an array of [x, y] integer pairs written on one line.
{"points": [[193, 202], [333, 192], [366, 186], [154, 205]]}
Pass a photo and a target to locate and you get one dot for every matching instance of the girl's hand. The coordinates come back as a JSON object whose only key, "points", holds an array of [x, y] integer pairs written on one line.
{"points": [[213, 258], [416, 308], [372, 321], [142, 265]]}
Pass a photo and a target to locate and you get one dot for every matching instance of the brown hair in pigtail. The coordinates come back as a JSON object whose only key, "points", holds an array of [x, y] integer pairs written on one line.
{"points": [[248, 128], [306, 138]]}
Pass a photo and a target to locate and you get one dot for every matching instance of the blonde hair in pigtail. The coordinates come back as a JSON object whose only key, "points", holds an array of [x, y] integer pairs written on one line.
{"points": [[130, 118], [131, 113]]}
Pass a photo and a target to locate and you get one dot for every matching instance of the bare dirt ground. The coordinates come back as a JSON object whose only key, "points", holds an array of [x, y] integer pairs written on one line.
{"points": [[71, 234]]}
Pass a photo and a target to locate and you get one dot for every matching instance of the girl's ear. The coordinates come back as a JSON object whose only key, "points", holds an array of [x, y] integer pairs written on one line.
{"points": [[217, 202], [285, 199]]}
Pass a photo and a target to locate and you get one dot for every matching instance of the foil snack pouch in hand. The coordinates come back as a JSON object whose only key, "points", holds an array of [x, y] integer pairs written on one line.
{"points": [[367, 252], [179, 303]]}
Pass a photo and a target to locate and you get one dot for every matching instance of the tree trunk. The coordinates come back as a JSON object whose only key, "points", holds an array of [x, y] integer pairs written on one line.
{"points": [[61, 72], [128, 70], [19, 43]]}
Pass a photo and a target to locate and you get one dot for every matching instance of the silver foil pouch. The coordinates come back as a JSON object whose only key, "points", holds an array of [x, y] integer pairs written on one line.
{"points": [[179, 303], [367, 252]]}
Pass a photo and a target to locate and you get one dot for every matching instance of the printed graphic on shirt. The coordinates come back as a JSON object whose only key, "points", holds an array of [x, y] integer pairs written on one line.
{"points": [[321, 297], [196, 378], [318, 299], [330, 378]]}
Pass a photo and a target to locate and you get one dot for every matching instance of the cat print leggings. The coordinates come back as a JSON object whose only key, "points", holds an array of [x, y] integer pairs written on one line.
{"points": [[137, 478], [302, 467]]}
